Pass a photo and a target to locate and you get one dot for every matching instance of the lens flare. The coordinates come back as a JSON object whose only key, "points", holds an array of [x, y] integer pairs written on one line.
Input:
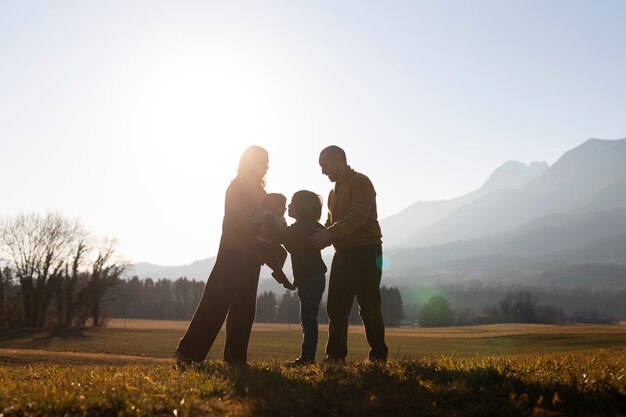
{"points": [[383, 263]]}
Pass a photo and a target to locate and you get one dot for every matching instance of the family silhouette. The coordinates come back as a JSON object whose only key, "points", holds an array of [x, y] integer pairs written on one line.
{"points": [[255, 232]]}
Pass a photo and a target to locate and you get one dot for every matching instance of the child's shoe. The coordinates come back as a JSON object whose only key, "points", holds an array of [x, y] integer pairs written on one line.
{"points": [[299, 362]]}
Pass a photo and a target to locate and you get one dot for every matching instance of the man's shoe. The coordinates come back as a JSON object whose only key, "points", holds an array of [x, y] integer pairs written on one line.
{"points": [[237, 364]]}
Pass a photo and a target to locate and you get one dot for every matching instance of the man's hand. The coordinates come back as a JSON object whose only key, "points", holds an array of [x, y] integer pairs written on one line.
{"points": [[321, 239]]}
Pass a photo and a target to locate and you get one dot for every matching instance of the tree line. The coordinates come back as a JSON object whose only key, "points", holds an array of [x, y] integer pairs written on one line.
{"points": [[519, 307], [166, 299], [53, 272], [286, 309]]}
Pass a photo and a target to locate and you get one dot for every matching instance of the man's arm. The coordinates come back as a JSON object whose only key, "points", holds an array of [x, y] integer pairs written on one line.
{"points": [[328, 219], [323, 238]]}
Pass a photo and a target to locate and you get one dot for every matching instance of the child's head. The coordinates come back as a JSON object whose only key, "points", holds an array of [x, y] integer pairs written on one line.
{"points": [[305, 205], [276, 203]]}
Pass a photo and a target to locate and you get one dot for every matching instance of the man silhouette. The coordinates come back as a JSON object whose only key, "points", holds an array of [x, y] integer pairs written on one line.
{"points": [[352, 228]]}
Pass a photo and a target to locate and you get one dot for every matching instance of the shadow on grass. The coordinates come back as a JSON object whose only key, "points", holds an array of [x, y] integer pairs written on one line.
{"points": [[31, 338], [411, 389]]}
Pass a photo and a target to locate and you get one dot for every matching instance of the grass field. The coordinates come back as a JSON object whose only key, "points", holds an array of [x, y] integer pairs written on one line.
{"points": [[281, 341], [498, 370]]}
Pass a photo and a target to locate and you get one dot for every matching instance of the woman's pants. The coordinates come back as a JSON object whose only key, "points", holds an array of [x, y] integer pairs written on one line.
{"points": [[229, 294]]}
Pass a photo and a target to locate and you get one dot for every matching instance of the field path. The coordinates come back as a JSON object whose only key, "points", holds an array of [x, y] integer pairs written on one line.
{"points": [[458, 332], [32, 356]]}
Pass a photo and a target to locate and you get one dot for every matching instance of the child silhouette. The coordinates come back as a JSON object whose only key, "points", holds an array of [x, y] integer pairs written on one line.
{"points": [[308, 267]]}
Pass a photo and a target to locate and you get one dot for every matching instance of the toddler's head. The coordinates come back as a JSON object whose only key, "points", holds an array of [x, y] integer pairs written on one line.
{"points": [[275, 203], [305, 205]]}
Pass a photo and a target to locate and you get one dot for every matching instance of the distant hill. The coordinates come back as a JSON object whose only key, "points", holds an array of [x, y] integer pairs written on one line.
{"points": [[553, 242], [198, 270], [608, 275], [579, 180], [399, 227]]}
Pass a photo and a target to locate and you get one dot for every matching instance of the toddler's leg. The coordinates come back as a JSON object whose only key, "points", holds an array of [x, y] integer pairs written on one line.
{"points": [[281, 256], [276, 264]]}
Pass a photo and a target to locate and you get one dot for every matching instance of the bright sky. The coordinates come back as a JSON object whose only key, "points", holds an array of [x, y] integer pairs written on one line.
{"points": [[132, 115]]}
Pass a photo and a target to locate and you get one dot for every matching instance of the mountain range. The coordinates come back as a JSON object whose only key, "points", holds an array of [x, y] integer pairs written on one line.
{"points": [[397, 229], [525, 219], [572, 184]]}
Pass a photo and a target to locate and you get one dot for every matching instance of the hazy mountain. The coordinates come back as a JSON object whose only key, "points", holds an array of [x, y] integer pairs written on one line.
{"points": [[511, 174], [608, 275], [595, 168], [198, 270], [609, 197], [553, 241]]}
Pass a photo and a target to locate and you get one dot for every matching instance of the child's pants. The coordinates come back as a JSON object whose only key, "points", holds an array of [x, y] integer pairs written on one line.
{"points": [[310, 294]]}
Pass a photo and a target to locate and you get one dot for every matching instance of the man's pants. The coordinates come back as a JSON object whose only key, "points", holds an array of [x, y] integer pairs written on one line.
{"points": [[356, 272]]}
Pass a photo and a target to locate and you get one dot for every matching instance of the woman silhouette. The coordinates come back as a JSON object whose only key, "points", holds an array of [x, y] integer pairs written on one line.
{"points": [[231, 288]]}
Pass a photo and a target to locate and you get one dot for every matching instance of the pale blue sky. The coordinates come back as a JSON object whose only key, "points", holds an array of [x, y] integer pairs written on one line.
{"points": [[132, 115]]}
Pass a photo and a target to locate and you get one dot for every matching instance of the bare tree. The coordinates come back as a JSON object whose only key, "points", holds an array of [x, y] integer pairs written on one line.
{"points": [[70, 287], [507, 308], [37, 247], [518, 307], [6, 277], [69, 284], [105, 274], [525, 305]]}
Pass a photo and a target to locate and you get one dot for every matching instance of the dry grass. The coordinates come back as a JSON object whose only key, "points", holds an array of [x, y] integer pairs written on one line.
{"points": [[496, 370], [586, 383], [487, 330]]}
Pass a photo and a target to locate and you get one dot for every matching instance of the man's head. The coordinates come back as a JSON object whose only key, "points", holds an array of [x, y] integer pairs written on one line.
{"points": [[333, 162]]}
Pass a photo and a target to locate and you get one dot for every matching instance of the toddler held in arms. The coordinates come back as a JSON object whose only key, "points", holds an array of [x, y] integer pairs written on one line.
{"points": [[272, 213]]}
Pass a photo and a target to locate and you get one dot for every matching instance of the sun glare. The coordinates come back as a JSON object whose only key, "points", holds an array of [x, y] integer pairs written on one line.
{"points": [[199, 111]]}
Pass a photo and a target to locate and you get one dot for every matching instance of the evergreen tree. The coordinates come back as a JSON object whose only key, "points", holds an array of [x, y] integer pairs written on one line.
{"points": [[266, 308], [392, 306], [436, 313], [289, 308]]}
